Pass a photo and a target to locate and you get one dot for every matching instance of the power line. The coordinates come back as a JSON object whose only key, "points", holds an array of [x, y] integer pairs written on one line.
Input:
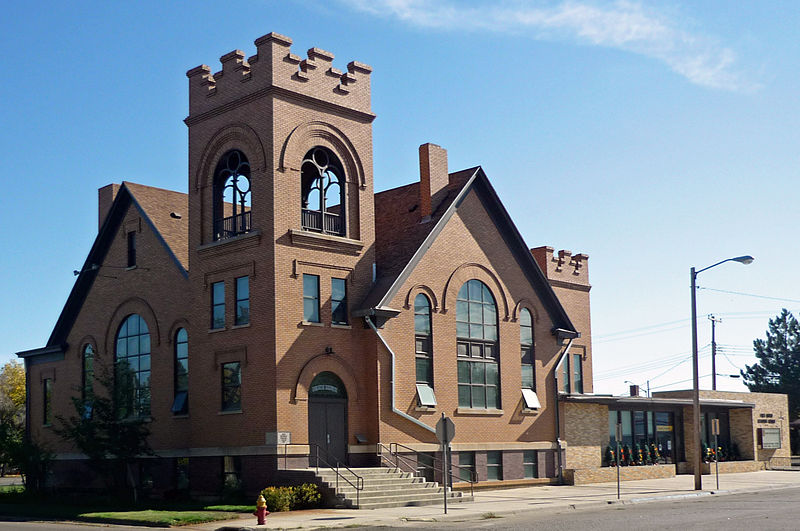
{"points": [[641, 328], [749, 295], [647, 366]]}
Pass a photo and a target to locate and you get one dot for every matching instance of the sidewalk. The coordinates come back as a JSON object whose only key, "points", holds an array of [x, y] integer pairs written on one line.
{"points": [[504, 502]]}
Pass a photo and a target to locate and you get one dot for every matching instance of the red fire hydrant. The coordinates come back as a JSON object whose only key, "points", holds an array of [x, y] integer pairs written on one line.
{"points": [[261, 510]]}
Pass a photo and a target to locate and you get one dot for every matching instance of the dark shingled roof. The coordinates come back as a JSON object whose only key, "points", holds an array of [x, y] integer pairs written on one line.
{"points": [[401, 239], [158, 204]]}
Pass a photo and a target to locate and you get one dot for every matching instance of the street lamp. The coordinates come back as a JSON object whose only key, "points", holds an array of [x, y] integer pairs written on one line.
{"points": [[698, 478]]}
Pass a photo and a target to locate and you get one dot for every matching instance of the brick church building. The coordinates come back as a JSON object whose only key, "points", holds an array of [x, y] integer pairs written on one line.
{"points": [[282, 309]]}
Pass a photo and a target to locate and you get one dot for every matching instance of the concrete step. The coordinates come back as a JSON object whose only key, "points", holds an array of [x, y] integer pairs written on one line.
{"points": [[433, 500], [384, 487], [388, 487]]}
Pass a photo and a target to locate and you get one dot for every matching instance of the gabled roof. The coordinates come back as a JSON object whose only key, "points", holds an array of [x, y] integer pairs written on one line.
{"points": [[155, 206], [401, 240]]}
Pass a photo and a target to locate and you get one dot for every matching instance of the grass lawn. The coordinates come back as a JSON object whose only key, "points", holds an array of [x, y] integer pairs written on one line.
{"points": [[14, 502], [157, 518]]}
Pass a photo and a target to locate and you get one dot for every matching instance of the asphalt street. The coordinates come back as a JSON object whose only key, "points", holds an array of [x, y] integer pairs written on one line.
{"points": [[762, 511]]}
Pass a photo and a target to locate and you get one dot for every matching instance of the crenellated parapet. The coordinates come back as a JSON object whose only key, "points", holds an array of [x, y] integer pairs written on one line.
{"points": [[275, 68], [562, 266]]}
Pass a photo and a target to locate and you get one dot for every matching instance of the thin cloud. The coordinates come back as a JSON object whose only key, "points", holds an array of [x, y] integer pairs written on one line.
{"points": [[623, 25]]}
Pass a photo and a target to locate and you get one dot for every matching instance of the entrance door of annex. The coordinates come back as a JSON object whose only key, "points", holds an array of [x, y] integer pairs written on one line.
{"points": [[327, 419]]}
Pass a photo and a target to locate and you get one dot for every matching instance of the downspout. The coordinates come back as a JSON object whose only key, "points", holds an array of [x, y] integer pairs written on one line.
{"points": [[391, 352], [560, 465]]}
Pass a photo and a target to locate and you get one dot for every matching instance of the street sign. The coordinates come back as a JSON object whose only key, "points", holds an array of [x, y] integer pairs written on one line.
{"points": [[445, 430]]}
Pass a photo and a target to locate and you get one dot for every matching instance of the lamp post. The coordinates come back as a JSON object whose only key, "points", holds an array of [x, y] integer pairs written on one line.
{"points": [[698, 478]]}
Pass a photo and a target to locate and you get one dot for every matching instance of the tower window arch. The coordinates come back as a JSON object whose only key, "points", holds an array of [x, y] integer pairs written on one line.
{"points": [[526, 349], [232, 195], [132, 368], [477, 347], [180, 404], [322, 179]]}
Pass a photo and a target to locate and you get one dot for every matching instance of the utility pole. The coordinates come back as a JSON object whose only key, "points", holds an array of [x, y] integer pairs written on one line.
{"points": [[714, 321]]}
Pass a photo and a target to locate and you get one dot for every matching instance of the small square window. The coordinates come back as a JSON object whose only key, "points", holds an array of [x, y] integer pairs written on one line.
{"points": [[494, 466]]}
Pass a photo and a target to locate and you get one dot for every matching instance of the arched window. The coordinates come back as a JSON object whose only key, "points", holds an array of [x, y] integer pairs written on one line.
{"points": [[87, 371], [476, 332], [322, 179], [424, 350], [180, 405], [232, 195], [526, 349], [132, 368]]}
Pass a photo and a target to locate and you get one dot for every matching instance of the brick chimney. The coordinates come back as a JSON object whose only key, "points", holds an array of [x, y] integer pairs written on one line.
{"points": [[105, 198], [433, 178]]}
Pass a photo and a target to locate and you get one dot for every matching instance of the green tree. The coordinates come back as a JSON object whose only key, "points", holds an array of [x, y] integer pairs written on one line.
{"points": [[102, 429], [778, 366], [12, 412]]}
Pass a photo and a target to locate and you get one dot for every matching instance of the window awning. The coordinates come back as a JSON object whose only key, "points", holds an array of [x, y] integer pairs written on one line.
{"points": [[531, 400], [425, 395]]}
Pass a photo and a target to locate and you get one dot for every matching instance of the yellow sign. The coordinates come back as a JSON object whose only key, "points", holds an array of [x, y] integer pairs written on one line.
{"points": [[663, 428]]}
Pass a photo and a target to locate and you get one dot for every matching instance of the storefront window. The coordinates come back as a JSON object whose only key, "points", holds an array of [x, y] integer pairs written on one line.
{"points": [[653, 432]]}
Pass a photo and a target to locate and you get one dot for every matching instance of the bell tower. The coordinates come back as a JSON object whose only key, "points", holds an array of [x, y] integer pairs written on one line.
{"points": [[280, 190]]}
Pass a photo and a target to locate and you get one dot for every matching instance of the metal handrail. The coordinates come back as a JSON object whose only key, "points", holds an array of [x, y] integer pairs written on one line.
{"points": [[393, 451], [359, 485]]}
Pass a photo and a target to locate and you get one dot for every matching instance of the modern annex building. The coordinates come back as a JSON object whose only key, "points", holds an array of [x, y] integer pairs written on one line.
{"points": [[281, 309]]}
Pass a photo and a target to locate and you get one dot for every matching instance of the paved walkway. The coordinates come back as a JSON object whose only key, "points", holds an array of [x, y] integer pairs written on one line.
{"points": [[511, 501]]}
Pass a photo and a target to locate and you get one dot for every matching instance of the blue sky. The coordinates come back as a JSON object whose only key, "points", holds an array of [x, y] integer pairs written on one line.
{"points": [[652, 136]]}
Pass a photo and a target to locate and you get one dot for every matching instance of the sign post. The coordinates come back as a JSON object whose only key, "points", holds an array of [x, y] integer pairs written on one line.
{"points": [[617, 437], [445, 431], [715, 430]]}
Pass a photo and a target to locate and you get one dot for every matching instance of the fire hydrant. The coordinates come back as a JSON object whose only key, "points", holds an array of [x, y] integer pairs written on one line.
{"points": [[261, 510]]}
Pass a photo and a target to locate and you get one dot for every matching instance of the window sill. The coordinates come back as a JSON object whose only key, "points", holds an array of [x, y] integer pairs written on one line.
{"points": [[342, 326], [130, 268], [231, 412], [181, 416], [215, 330], [242, 241], [484, 412], [310, 323], [526, 411], [236, 327], [425, 409], [326, 242]]}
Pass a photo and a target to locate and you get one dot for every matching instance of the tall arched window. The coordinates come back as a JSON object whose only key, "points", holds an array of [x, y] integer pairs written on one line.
{"points": [[232, 195], [87, 371], [132, 368], [322, 184], [477, 348], [180, 404], [526, 349]]}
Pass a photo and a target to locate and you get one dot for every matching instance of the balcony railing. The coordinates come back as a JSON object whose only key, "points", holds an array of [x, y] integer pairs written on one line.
{"points": [[327, 224], [232, 226]]}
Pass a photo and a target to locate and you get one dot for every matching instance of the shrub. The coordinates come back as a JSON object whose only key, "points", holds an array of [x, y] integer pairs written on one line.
{"points": [[278, 498], [306, 496]]}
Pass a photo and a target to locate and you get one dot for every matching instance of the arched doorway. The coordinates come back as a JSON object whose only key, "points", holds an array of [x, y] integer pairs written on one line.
{"points": [[327, 418]]}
